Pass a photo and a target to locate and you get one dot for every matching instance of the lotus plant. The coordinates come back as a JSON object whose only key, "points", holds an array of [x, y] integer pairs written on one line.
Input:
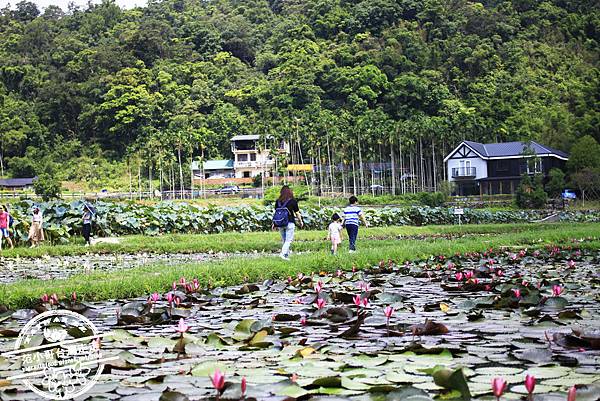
{"points": [[498, 387], [572, 394], [320, 303], [243, 386], [530, 385], [388, 311], [557, 290], [182, 327], [218, 380]]}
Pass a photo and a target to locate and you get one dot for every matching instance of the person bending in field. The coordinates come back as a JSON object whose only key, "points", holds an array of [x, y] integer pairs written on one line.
{"points": [[4, 225], [352, 217], [334, 232]]}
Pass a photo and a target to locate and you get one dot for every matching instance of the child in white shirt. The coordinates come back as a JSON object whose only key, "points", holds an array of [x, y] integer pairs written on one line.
{"points": [[334, 232]]}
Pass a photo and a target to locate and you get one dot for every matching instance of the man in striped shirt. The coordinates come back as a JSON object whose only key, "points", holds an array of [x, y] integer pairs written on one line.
{"points": [[352, 217]]}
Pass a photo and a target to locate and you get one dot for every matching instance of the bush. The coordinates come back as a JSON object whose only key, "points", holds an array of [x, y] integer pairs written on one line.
{"points": [[272, 193], [530, 194], [556, 182], [47, 187]]}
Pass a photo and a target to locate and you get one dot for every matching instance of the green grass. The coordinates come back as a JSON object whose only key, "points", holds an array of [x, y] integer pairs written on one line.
{"points": [[259, 241], [141, 281]]}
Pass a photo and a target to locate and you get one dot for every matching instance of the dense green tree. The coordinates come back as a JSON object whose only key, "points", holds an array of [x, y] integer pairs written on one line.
{"points": [[585, 154], [347, 82]]}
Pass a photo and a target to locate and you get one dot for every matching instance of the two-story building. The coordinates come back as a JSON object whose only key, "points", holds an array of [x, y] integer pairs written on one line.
{"points": [[496, 168], [252, 156]]}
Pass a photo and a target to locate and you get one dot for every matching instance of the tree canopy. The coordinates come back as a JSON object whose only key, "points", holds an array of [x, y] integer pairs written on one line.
{"points": [[370, 77]]}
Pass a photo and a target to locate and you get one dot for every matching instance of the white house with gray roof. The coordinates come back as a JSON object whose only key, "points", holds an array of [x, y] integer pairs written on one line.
{"points": [[496, 168]]}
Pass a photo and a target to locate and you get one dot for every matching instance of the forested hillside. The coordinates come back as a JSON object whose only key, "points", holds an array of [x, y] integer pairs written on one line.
{"points": [[85, 92]]}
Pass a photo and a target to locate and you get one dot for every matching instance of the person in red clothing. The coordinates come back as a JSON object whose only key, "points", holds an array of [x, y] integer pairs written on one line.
{"points": [[4, 221]]}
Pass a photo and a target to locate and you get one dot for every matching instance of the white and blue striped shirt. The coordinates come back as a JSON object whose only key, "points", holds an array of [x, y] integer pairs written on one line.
{"points": [[351, 214]]}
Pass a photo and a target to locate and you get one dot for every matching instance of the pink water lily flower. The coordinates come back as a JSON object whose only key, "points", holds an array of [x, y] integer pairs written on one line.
{"points": [[74, 296], [357, 300], [182, 327], [339, 273], [289, 280], [319, 286], [320, 303], [468, 275], [243, 385], [218, 380], [498, 386], [499, 273], [154, 297], [303, 321], [517, 292], [45, 298], [571, 264], [365, 302], [557, 290], [450, 265], [169, 298], [176, 300], [522, 253], [572, 394], [182, 280], [458, 276], [388, 311], [174, 285], [530, 383]]}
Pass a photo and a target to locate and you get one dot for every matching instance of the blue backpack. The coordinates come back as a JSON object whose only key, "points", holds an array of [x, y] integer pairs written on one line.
{"points": [[281, 218]]}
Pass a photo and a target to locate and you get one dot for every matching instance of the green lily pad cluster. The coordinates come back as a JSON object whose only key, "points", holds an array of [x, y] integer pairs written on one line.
{"points": [[308, 336]]}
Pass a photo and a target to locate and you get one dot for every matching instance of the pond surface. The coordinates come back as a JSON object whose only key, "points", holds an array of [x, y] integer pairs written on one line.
{"points": [[61, 267], [273, 334]]}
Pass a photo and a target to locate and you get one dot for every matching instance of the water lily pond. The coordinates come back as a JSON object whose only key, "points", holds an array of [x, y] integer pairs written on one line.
{"points": [[452, 326]]}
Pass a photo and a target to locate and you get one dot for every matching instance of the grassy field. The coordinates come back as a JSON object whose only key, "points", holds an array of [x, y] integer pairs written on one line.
{"points": [[141, 281], [268, 241]]}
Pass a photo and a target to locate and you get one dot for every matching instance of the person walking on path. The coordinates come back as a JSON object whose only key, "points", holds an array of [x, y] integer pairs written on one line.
{"points": [[88, 214], [4, 227], [334, 232], [36, 231], [286, 215], [352, 217]]}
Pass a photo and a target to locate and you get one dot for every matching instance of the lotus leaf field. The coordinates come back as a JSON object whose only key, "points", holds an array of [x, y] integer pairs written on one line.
{"points": [[442, 328], [62, 220]]}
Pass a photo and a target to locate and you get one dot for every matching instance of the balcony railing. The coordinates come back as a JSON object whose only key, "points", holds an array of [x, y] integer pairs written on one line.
{"points": [[464, 172], [254, 164]]}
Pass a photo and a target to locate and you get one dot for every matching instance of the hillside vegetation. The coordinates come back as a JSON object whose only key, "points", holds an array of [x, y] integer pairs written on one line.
{"points": [[91, 94]]}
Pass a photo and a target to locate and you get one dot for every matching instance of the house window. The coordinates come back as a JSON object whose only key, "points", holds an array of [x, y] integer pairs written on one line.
{"points": [[242, 157], [534, 166], [246, 174], [252, 157]]}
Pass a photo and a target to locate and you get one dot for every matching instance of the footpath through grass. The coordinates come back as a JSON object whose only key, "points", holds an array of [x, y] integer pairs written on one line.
{"points": [[261, 241], [144, 280]]}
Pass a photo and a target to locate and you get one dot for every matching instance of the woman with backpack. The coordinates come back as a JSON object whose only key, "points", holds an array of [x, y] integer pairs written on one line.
{"points": [[286, 214]]}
